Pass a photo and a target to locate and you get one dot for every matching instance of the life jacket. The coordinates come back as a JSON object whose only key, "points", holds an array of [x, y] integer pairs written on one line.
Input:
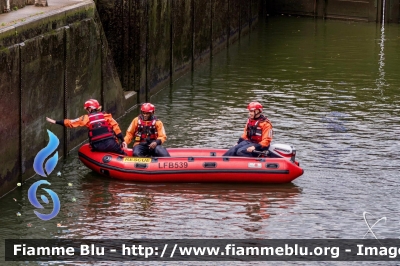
{"points": [[254, 131], [146, 130], [99, 129]]}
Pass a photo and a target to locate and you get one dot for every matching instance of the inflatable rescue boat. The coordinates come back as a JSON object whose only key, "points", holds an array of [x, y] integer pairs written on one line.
{"points": [[195, 165]]}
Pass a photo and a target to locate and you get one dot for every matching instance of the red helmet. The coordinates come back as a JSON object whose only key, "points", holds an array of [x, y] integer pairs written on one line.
{"points": [[92, 103], [148, 108], [255, 106]]}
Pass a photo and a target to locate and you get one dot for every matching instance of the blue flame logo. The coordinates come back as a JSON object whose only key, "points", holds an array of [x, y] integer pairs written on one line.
{"points": [[32, 198], [44, 153], [49, 166]]}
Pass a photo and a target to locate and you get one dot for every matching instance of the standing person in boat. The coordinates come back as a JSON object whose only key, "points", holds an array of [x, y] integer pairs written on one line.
{"points": [[148, 134], [103, 129], [257, 134]]}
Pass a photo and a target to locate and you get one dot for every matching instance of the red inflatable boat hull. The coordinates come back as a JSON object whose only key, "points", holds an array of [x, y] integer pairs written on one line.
{"points": [[194, 165]]}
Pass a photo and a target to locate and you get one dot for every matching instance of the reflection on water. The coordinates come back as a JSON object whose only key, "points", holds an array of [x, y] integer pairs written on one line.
{"points": [[105, 208], [162, 208], [324, 94]]}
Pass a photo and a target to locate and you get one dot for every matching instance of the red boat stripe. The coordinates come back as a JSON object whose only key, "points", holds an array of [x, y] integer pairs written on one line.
{"points": [[106, 166]]}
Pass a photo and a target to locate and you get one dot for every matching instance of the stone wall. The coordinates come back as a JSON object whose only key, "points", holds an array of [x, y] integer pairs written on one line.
{"points": [[49, 65], [155, 42]]}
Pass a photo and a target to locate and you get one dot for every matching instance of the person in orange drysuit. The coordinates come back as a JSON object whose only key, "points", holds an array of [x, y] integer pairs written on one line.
{"points": [[148, 134], [103, 129], [257, 134]]}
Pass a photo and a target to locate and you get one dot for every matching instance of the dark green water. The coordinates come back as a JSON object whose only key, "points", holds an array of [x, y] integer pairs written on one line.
{"points": [[330, 88]]}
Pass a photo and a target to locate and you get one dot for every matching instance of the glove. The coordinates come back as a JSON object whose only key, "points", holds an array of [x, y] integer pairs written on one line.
{"points": [[121, 138]]}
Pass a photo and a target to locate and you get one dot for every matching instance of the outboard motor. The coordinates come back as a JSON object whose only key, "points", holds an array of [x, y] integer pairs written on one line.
{"points": [[282, 151]]}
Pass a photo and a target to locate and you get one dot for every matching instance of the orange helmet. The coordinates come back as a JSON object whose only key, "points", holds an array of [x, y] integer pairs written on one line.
{"points": [[255, 106], [92, 103], [148, 108]]}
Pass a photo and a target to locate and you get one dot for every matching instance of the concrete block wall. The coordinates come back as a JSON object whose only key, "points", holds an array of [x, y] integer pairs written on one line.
{"points": [[51, 63], [155, 42], [49, 66]]}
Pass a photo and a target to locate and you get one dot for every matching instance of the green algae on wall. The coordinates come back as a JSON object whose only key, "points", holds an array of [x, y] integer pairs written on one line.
{"points": [[42, 94], [154, 41], [10, 125], [234, 20], [83, 68], [112, 95], [50, 65], [159, 46], [220, 24], [202, 30], [63, 57], [181, 37]]}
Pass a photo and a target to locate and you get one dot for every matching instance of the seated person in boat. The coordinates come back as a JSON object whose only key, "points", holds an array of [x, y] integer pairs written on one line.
{"points": [[103, 129], [148, 134], [257, 134]]}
